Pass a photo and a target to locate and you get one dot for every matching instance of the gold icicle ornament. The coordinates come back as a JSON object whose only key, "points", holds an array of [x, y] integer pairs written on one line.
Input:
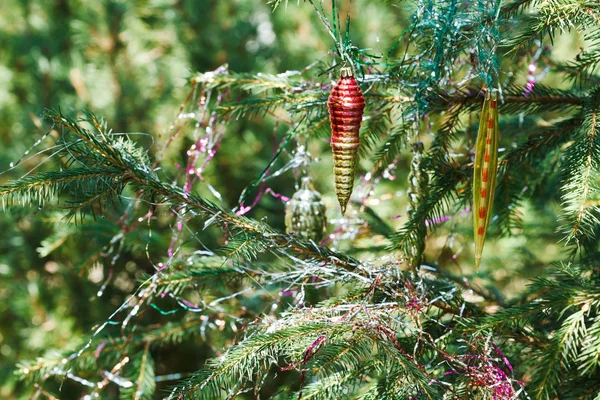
{"points": [[484, 172], [346, 105], [305, 213]]}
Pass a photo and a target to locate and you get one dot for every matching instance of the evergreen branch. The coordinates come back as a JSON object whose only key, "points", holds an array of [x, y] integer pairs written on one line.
{"points": [[331, 387], [337, 357], [527, 159], [441, 193], [374, 126], [255, 353], [397, 139], [256, 83], [581, 187], [563, 15], [512, 100], [349, 362], [555, 359], [377, 224], [292, 103], [206, 271], [589, 359], [98, 142], [244, 246], [262, 232], [142, 368], [539, 143], [46, 186], [448, 132], [170, 333], [141, 174], [319, 126], [512, 8], [404, 376], [505, 320]]}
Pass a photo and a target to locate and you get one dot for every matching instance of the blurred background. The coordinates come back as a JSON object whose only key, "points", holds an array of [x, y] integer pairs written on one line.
{"points": [[128, 62]]}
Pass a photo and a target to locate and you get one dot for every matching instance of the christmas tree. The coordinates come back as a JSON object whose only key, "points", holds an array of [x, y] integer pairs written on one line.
{"points": [[462, 266]]}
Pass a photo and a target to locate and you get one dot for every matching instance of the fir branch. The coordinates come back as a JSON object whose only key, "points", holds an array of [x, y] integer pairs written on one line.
{"points": [[142, 367], [292, 103], [441, 194], [138, 172], [555, 358], [396, 140], [540, 142], [377, 224], [47, 186], [254, 354], [331, 387], [404, 378], [527, 159], [513, 8], [552, 16], [513, 100], [170, 333], [244, 246], [207, 272], [513, 318], [589, 358], [222, 79], [338, 357], [580, 214], [263, 233]]}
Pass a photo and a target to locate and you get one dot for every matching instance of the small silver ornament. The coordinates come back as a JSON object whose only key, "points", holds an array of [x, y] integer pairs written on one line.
{"points": [[305, 213]]}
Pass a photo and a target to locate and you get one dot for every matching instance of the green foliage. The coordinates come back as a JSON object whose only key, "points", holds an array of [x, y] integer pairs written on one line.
{"points": [[142, 367], [184, 284]]}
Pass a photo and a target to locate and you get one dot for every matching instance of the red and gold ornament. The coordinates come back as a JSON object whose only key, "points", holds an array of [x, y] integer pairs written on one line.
{"points": [[346, 106]]}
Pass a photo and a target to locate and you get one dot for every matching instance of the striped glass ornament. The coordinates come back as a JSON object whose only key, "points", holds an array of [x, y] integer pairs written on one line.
{"points": [[484, 172], [346, 106]]}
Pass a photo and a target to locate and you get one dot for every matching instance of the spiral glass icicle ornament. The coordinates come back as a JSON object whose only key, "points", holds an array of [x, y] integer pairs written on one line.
{"points": [[418, 185], [346, 106], [484, 172], [305, 213]]}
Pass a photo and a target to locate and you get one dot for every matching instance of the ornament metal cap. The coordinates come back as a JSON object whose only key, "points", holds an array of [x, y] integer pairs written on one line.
{"points": [[346, 72], [306, 183]]}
